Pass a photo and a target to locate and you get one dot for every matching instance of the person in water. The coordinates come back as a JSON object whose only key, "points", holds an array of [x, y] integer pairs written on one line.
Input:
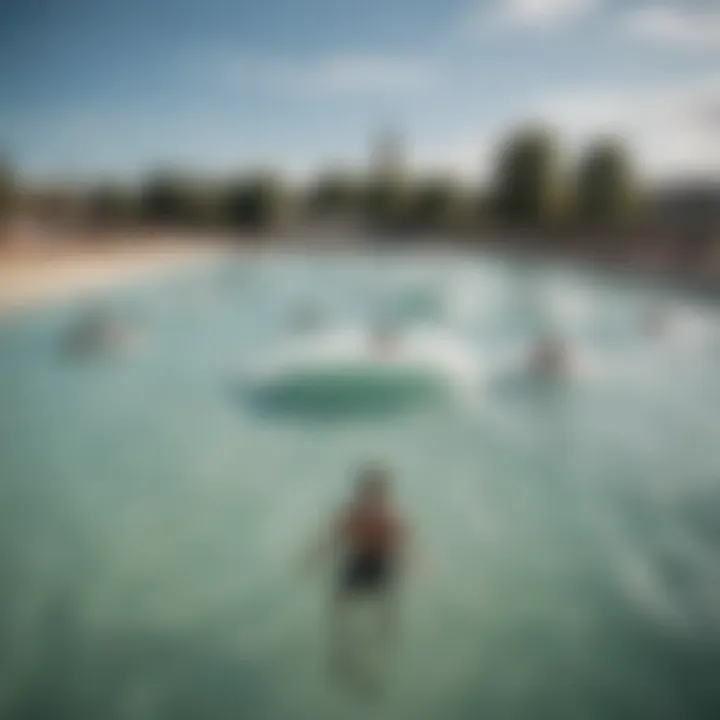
{"points": [[550, 357], [98, 331], [370, 540]]}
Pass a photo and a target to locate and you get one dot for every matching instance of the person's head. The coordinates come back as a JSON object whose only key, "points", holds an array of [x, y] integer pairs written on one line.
{"points": [[372, 485]]}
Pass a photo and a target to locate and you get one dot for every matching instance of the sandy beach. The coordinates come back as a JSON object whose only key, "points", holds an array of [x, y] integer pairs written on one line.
{"points": [[35, 271]]}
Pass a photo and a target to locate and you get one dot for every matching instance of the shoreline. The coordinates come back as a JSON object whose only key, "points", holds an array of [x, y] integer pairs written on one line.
{"points": [[37, 270], [38, 274]]}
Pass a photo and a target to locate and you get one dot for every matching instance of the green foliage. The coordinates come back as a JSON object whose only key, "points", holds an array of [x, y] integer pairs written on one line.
{"points": [[169, 198], [604, 184], [388, 202], [7, 191], [438, 203], [525, 182], [112, 205], [257, 202], [523, 194], [335, 192]]}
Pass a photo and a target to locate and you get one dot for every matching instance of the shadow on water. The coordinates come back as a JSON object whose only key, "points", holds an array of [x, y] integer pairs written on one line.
{"points": [[353, 402]]}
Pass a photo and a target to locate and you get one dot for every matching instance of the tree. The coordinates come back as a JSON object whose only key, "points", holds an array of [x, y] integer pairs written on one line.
{"points": [[438, 203], [387, 202], [57, 203], [170, 198], [7, 192], [604, 184], [525, 181], [258, 202], [112, 205], [335, 193]]}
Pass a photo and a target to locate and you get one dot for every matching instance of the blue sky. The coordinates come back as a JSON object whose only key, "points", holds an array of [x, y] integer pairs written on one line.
{"points": [[115, 87]]}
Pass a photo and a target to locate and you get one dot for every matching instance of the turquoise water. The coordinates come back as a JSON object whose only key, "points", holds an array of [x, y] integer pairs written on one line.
{"points": [[568, 532]]}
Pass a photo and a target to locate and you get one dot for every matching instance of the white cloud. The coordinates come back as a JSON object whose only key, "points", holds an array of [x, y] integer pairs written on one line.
{"points": [[694, 30], [367, 74], [338, 74], [545, 12], [469, 158], [672, 130], [529, 13]]}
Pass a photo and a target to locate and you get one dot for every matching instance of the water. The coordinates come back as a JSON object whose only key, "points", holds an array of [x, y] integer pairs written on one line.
{"points": [[153, 520]]}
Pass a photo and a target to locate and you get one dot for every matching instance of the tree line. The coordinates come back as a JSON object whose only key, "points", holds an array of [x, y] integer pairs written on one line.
{"points": [[531, 187]]}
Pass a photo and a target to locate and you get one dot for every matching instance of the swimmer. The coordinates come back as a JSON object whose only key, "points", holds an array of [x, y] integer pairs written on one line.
{"points": [[88, 335], [370, 540], [100, 332], [549, 357]]}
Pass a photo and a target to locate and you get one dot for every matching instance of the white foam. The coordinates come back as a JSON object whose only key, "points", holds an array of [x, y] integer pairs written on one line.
{"points": [[419, 349]]}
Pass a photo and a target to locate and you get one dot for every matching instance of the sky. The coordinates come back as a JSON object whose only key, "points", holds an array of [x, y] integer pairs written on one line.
{"points": [[115, 88]]}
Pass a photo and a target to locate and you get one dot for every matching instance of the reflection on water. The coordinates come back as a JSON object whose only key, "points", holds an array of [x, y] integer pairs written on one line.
{"points": [[151, 523]]}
